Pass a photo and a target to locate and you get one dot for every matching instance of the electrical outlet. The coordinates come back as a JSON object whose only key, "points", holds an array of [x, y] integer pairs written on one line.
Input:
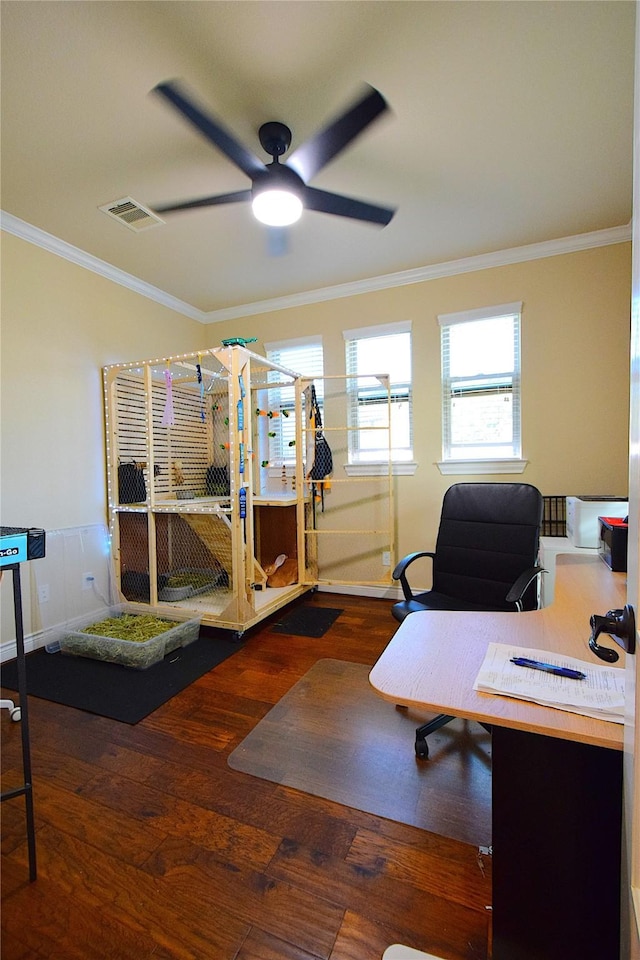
{"points": [[43, 593], [87, 581], [386, 558]]}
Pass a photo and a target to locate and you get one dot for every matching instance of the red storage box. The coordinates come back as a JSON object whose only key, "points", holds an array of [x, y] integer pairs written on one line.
{"points": [[614, 538]]}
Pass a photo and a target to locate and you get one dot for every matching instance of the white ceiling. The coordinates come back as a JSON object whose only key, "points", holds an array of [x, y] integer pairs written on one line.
{"points": [[511, 124]]}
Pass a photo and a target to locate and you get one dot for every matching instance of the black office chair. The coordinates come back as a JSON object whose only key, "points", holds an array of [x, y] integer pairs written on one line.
{"points": [[485, 559]]}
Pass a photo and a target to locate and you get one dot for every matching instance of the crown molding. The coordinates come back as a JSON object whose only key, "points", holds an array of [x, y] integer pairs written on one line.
{"points": [[486, 261], [19, 228], [534, 251]]}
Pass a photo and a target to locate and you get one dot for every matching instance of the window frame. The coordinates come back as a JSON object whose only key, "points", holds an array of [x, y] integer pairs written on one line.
{"points": [[355, 466], [509, 380]]}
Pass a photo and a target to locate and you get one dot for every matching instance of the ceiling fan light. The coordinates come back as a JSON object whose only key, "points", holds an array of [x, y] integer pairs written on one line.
{"points": [[277, 208]]}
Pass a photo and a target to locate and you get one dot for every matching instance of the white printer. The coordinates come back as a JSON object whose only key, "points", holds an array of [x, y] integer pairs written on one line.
{"points": [[583, 528]]}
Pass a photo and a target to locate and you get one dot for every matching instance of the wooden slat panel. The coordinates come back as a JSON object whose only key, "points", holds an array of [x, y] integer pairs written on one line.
{"points": [[189, 441]]}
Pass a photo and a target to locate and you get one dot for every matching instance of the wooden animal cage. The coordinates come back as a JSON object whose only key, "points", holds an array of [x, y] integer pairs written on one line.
{"points": [[207, 487], [193, 517]]}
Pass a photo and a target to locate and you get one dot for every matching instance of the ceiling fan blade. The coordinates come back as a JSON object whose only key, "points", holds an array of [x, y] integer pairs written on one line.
{"points": [[235, 197], [314, 154], [212, 129], [340, 206]]}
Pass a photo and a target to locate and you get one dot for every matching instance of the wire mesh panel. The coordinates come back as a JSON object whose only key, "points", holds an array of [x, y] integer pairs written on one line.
{"points": [[277, 412], [194, 556], [133, 556], [351, 535]]}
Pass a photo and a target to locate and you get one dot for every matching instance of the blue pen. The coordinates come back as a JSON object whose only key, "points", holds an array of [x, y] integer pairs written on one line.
{"points": [[549, 668]]}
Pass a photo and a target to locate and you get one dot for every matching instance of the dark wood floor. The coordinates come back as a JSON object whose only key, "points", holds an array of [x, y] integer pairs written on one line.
{"points": [[150, 845]]}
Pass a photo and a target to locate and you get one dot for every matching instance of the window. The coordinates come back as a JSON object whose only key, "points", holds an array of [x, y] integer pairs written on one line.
{"points": [[303, 356], [481, 384], [384, 349]]}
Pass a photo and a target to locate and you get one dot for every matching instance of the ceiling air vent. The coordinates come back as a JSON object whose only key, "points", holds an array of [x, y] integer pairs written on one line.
{"points": [[132, 214]]}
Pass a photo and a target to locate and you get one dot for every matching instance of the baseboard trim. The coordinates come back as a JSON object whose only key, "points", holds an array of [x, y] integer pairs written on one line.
{"points": [[9, 649], [356, 590]]}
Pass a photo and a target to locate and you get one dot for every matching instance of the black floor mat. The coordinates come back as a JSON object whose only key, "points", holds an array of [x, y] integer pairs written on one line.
{"points": [[306, 621], [114, 691]]}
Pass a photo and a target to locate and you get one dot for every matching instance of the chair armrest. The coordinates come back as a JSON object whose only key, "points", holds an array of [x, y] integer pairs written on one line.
{"points": [[401, 567], [519, 588]]}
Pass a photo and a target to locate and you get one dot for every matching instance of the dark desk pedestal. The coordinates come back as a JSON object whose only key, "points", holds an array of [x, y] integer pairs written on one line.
{"points": [[557, 820]]}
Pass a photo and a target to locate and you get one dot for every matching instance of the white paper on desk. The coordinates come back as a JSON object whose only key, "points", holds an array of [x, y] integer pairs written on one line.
{"points": [[600, 695]]}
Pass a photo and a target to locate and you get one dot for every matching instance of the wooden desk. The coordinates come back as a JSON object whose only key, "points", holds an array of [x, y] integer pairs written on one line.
{"points": [[550, 549], [556, 776]]}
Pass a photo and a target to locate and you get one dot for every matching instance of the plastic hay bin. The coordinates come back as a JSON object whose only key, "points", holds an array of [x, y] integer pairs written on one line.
{"points": [[131, 653]]}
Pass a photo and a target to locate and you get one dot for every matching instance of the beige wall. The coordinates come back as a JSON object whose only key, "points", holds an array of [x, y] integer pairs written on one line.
{"points": [[575, 370], [62, 323]]}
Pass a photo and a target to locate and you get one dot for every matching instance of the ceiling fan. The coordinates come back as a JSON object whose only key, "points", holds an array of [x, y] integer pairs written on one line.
{"points": [[280, 191]]}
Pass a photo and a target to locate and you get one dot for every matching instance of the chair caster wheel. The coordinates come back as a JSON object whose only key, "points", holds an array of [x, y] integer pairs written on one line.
{"points": [[422, 750], [15, 714]]}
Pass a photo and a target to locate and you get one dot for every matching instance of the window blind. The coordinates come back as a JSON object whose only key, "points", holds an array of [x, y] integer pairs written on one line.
{"points": [[384, 349], [481, 398], [303, 355]]}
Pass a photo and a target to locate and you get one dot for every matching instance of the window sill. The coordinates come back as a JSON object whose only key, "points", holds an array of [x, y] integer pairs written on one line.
{"points": [[450, 468], [400, 468]]}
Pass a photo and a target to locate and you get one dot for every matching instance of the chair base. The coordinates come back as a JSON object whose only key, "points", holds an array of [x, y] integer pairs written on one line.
{"points": [[422, 732], [422, 750]]}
